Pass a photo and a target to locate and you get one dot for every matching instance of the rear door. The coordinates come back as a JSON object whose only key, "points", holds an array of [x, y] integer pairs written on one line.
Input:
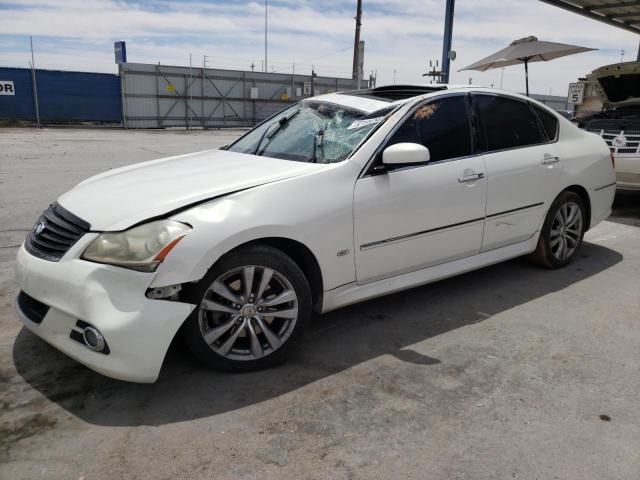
{"points": [[411, 217], [523, 169]]}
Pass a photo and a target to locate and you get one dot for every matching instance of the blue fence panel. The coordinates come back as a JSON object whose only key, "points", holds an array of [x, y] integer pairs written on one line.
{"points": [[20, 105], [62, 96]]}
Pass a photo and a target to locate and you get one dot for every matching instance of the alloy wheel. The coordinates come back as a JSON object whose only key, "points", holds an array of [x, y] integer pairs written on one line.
{"points": [[566, 231], [248, 312]]}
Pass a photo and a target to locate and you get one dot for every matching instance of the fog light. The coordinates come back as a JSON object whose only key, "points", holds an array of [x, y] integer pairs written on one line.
{"points": [[93, 339]]}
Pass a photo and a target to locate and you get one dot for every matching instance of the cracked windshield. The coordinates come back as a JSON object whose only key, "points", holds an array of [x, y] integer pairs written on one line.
{"points": [[311, 131]]}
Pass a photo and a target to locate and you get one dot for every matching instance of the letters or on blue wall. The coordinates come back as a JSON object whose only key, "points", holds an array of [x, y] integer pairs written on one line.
{"points": [[62, 96]]}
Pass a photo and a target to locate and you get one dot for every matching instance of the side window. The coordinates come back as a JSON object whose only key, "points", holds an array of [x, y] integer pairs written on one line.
{"points": [[442, 126], [508, 123], [549, 122]]}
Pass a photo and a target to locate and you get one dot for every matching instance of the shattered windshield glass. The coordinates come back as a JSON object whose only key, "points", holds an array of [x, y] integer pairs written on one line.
{"points": [[311, 131]]}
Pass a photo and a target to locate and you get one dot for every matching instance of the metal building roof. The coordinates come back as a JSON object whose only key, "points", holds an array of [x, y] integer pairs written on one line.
{"points": [[619, 13]]}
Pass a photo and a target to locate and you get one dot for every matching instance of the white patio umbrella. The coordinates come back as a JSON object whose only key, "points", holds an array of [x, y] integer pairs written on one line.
{"points": [[526, 50]]}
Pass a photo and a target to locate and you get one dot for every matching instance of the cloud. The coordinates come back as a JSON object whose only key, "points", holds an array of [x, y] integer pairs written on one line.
{"points": [[400, 35]]}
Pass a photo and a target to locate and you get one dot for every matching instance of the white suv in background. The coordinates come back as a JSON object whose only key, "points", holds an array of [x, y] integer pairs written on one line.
{"points": [[618, 88]]}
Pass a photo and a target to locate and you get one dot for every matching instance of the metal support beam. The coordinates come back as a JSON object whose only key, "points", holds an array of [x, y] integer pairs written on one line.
{"points": [[593, 12], [623, 15], [446, 45], [598, 8]]}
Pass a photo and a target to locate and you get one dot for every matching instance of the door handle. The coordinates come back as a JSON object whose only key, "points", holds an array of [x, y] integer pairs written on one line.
{"points": [[471, 177], [549, 159]]}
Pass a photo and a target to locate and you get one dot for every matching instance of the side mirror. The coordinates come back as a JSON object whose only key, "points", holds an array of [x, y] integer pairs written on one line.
{"points": [[405, 154]]}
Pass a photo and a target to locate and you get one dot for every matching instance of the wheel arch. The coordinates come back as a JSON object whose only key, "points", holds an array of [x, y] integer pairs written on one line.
{"points": [[584, 195]]}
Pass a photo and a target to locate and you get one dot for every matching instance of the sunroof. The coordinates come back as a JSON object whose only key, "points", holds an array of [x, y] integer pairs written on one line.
{"points": [[395, 92]]}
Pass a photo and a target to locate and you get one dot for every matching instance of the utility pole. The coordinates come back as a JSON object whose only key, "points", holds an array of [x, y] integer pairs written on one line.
{"points": [[313, 76], [394, 76], [35, 86], [356, 44], [446, 45], [266, 69], [202, 87], [190, 101]]}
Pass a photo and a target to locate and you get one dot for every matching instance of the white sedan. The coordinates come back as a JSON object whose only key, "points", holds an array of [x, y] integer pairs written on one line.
{"points": [[338, 199]]}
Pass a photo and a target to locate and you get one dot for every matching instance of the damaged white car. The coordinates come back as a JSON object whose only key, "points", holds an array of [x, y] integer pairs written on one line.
{"points": [[338, 199]]}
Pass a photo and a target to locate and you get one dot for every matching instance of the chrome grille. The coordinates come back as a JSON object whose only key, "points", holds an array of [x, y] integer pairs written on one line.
{"points": [[55, 232], [631, 140]]}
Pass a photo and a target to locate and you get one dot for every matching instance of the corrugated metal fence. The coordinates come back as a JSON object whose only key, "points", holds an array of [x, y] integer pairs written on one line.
{"points": [[158, 96], [62, 96], [155, 96]]}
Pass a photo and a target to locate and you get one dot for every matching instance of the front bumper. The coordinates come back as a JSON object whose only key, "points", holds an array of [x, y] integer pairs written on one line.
{"points": [[138, 330], [627, 172]]}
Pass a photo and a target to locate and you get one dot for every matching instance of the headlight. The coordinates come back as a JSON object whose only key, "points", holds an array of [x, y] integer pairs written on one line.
{"points": [[141, 248]]}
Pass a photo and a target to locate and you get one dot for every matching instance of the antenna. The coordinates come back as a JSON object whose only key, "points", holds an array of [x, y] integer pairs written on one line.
{"points": [[434, 72]]}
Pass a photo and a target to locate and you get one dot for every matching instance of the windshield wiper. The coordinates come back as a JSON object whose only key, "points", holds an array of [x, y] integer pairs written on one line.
{"points": [[318, 138], [270, 134]]}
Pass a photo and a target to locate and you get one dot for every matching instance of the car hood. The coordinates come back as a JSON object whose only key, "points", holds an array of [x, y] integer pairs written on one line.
{"points": [[123, 197], [617, 84]]}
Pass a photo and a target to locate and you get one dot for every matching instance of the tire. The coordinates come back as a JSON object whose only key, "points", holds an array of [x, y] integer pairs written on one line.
{"points": [[563, 228], [266, 326]]}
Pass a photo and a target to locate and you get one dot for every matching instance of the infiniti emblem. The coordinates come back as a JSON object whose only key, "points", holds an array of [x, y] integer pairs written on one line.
{"points": [[38, 228]]}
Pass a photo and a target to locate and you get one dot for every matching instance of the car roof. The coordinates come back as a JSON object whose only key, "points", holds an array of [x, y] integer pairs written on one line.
{"points": [[372, 99]]}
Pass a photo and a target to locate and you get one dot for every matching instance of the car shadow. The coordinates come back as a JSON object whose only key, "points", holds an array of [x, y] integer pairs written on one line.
{"points": [[626, 208], [186, 390]]}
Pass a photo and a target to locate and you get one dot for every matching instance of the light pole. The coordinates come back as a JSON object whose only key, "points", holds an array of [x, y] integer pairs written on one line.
{"points": [[446, 44], [266, 68], [34, 84]]}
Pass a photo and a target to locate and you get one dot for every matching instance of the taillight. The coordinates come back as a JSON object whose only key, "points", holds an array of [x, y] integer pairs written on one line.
{"points": [[613, 160]]}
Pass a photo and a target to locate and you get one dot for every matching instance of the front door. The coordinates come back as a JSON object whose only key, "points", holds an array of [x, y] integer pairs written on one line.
{"points": [[406, 219]]}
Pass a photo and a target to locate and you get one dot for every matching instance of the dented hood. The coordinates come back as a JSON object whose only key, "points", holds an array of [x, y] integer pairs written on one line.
{"points": [[617, 84], [120, 198]]}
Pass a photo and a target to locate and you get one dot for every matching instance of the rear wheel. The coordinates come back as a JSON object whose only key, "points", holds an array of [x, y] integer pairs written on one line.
{"points": [[252, 306], [562, 231]]}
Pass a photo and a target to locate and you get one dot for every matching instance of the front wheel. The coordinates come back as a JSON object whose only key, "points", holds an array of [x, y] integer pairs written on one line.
{"points": [[562, 231], [252, 306]]}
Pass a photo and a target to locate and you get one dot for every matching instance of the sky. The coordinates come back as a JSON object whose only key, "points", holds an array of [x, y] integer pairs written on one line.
{"points": [[400, 36]]}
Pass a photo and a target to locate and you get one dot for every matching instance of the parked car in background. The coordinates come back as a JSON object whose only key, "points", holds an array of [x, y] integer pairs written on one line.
{"points": [[566, 114], [618, 88], [337, 199]]}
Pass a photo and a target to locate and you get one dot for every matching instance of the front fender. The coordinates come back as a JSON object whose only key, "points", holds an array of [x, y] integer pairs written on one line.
{"points": [[316, 212]]}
